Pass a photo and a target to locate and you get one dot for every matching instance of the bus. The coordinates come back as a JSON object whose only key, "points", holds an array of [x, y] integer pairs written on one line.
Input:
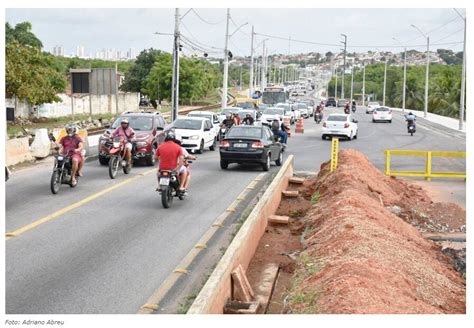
{"points": [[274, 95]]}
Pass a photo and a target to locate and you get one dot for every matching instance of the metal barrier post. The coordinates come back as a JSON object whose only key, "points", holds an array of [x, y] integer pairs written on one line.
{"points": [[428, 166], [334, 152], [387, 162]]}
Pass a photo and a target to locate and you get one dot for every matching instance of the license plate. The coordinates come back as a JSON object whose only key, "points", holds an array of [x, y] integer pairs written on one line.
{"points": [[164, 181], [240, 145]]}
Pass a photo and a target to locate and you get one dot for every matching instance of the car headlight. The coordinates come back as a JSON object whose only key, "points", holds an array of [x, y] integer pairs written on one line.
{"points": [[194, 137]]}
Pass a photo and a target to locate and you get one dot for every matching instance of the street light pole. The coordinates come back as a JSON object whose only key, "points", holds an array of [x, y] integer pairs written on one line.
{"points": [[384, 81], [404, 75], [335, 93], [352, 82], [175, 82], [344, 65], [427, 68], [251, 66], [463, 77], [226, 63], [363, 87]]}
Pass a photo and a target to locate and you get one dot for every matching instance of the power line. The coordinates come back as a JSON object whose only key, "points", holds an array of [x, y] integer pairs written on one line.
{"points": [[431, 31], [205, 21], [235, 25], [450, 34]]}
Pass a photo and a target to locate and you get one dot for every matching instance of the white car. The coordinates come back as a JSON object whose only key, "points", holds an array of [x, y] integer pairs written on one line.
{"points": [[288, 112], [382, 114], [371, 106], [340, 125], [211, 116], [303, 108], [196, 133], [272, 113]]}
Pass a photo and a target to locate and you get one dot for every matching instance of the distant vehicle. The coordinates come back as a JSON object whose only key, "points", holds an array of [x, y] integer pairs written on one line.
{"points": [[196, 133], [250, 144], [340, 125], [222, 115], [243, 113], [371, 106], [303, 108], [272, 113], [211, 116], [342, 102], [382, 114], [274, 95], [331, 102]]}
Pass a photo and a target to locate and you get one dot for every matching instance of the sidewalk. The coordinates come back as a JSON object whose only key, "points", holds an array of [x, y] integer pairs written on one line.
{"points": [[448, 122]]}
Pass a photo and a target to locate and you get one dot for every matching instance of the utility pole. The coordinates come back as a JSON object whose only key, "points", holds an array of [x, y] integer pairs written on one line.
{"points": [[226, 63], [384, 81], [175, 82], [344, 64], [427, 68], [240, 83], [363, 87], [352, 81], [264, 67], [251, 66], [463, 77], [335, 90], [404, 75]]}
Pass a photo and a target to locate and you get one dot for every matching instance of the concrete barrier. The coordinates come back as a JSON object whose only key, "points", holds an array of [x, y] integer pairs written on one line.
{"points": [[217, 289], [17, 151], [41, 146]]}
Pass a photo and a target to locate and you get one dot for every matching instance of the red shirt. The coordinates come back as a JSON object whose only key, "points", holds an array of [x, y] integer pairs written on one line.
{"points": [[70, 143], [169, 152]]}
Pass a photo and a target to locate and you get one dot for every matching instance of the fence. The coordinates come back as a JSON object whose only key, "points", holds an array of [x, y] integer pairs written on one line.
{"points": [[427, 173]]}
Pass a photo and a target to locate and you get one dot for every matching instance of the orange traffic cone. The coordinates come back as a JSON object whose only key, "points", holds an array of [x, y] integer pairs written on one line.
{"points": [[299, 126]]}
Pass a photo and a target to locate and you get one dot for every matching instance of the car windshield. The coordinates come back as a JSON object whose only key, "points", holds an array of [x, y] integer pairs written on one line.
{"points": [[243, 113], [301, 106], [138, 123], [337, 118], [383, 109], [273, 111], [208, 116], [187, 124], [245, 105], [245, 132], [284, 106]]}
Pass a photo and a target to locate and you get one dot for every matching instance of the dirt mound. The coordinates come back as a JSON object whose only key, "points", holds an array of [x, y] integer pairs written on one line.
{"points": [[361, 257]]}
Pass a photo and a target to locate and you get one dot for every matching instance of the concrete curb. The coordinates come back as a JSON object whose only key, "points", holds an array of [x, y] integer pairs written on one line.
{"points": [[217, 289]]}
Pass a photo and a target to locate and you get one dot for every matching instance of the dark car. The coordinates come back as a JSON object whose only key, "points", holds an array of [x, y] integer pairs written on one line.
{"points": [[331, 102], [147, 127], [250, 144]]}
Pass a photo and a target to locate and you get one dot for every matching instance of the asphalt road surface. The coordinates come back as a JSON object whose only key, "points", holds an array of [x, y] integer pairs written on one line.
{"points": [[106, 251]]}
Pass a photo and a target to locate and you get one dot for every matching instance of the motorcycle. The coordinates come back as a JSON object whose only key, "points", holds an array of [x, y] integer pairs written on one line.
{"points": [[117, 157], [346, 110], [318, 117], [169, 186], [411, 127], [353, 108], [62, 172]]}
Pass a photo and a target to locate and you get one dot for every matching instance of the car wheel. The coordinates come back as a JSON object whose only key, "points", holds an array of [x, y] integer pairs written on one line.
{"points": [[224, 164], [150, 158], [266, 165], [373, 121], [214, 143], [390, 121], [201, 147], [279, 161], [323, 137], [350, 136], [357, 132], [103, 160]]}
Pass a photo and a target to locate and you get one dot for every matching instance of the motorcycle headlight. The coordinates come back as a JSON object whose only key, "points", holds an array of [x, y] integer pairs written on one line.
{"points": [[141, 143], [103, 141], [116, 144], [60, 158], [194, 137]]}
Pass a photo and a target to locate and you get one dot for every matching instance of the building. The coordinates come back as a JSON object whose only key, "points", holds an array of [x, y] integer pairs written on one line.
{"points": [[80, 51], [58, 51]]}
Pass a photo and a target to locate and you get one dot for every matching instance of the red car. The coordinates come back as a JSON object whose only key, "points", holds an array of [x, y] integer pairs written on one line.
{"points": [[148, 127]]}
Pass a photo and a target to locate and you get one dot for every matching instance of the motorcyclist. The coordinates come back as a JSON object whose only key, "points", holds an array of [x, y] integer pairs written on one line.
{"points": [[236, 118], [184, 173], [228, 122], [170, 156], [125, 131], [346, 109], [318, 112], [72, 145], [353, 105], [410, 119], [280, 130], [248, 120]]}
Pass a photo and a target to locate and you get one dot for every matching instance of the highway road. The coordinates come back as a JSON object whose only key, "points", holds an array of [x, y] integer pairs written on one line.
{"points": [[107, 245]]}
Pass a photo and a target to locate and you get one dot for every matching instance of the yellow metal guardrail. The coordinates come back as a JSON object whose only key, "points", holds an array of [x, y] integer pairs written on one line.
{"points": [[427, 173], [334, 152]]}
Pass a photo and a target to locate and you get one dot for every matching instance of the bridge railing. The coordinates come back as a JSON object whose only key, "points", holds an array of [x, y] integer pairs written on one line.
{"points": [[428, 172]]}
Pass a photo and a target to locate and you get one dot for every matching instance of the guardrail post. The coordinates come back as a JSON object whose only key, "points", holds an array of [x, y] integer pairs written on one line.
{"points": [[387, 162], [334, 152], [428, 166]]}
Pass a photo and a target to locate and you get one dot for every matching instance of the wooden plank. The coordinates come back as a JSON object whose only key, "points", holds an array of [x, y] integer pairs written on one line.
{"points": [[246, 281], [296, 180], [242, 289], [265, 285], [290, 193], [452, 236]]}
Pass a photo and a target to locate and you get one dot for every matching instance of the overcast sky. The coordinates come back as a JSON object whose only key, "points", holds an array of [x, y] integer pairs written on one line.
{"points": [[122, 29]]}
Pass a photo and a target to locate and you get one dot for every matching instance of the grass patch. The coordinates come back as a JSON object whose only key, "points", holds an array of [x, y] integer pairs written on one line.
{"points": [[188, 301], [315, 198]]}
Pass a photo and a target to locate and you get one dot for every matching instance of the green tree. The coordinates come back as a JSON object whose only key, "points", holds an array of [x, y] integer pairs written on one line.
{"points": [[22, 34], [136, 76], [32, 75]]}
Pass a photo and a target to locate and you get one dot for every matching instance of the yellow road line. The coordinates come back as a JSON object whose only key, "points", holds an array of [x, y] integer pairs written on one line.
{"points": [[66, 209]]}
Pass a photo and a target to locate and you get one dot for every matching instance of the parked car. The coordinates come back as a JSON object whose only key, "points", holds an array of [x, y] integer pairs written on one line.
{"points": [[147, 127], [211, 116], [196, 133], [250, 144], [340, 125], [342, 102], [382, 114], [331, 102], [271, 114], [371, 106], [303, 108]]}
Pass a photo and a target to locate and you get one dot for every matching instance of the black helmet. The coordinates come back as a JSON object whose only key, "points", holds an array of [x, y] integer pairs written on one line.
{"points": [[410, 113], [170, 135]]}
